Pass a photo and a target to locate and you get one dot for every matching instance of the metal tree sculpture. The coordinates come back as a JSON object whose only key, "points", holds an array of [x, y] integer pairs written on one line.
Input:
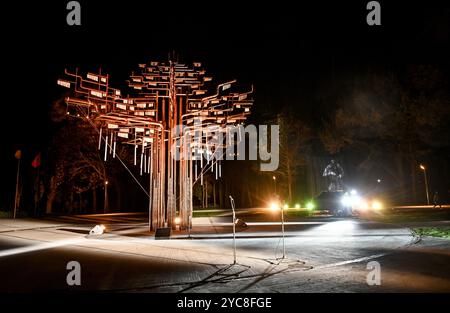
{"points": [[170, 103]]}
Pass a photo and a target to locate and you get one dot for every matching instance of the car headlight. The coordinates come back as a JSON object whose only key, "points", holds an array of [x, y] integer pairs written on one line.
{"points": [[351, 200], [363, 206], [346, 200]]}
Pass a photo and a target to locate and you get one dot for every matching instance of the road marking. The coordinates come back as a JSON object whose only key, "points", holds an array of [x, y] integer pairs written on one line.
{"points": [[414, 240]]}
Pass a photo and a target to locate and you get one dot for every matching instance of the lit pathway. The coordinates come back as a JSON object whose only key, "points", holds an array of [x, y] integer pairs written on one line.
{"points": [[333, 254]]}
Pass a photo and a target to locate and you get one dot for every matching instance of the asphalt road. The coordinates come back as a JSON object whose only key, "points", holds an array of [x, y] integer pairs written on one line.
{"points": [[322, 254]]}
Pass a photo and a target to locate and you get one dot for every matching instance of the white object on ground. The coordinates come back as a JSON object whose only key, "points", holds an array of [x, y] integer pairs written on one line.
{"points": [[97, 230]]}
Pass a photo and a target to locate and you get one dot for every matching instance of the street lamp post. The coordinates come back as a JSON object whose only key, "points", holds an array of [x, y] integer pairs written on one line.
{"points": [[424, 169], [282, 230], [275, 183], [105, 204]]}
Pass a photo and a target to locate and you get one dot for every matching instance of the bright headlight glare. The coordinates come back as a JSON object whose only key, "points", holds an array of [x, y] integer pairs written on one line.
{"points": [[376, 205], [345, 200], [351, 199], [363, 205]]}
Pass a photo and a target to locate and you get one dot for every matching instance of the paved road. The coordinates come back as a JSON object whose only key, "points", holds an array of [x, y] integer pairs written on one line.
{"points": [[322, 255]]}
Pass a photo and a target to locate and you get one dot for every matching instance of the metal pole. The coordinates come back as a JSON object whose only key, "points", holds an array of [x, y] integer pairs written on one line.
{"points": [[150, 176], [189, 226], [234, 229], [105, 204], [426, 185], [190, 190], [282, 230], [16, 200]]}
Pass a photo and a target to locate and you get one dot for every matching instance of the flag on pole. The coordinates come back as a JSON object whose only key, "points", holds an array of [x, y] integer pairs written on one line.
{"points": [[18, 154], [37, 161]]}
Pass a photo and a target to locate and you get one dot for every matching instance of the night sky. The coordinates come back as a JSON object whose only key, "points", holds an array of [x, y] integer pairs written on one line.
{"points": [[290, 51]]}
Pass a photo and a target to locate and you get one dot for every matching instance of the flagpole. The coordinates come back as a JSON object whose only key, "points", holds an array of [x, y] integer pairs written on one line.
{"points": [[16, 204], [37, 183], [37, 192]]}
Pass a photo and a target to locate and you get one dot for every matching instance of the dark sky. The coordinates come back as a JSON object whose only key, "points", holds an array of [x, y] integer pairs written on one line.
{"points": [[289, 50], [290, 47]]}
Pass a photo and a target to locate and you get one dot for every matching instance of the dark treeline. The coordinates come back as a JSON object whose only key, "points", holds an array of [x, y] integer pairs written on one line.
{"points": [[379, 125]]}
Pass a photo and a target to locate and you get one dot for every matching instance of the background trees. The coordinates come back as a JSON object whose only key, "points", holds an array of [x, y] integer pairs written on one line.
{"points": [[76, 171], [390, 123], [377, 124], [295, 136]]}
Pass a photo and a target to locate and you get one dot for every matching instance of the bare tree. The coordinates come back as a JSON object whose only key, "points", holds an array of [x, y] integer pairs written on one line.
{"points": [[294, 147]]}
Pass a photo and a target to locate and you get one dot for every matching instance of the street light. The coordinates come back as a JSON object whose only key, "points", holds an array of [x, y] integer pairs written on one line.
{"points": [[424, 169], [105, 204], [275, 183], [177, 221]]}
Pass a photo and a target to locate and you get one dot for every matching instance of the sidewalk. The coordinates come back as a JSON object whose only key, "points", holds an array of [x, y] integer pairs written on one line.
{"points": [[20, 224]]}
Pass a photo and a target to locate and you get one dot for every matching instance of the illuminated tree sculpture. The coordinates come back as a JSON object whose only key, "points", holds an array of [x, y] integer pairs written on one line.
{"points": [[175, 122]]}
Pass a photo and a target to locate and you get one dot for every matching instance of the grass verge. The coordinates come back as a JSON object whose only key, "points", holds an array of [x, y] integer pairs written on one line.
{"points": [[441, 232], [5, 214]]}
